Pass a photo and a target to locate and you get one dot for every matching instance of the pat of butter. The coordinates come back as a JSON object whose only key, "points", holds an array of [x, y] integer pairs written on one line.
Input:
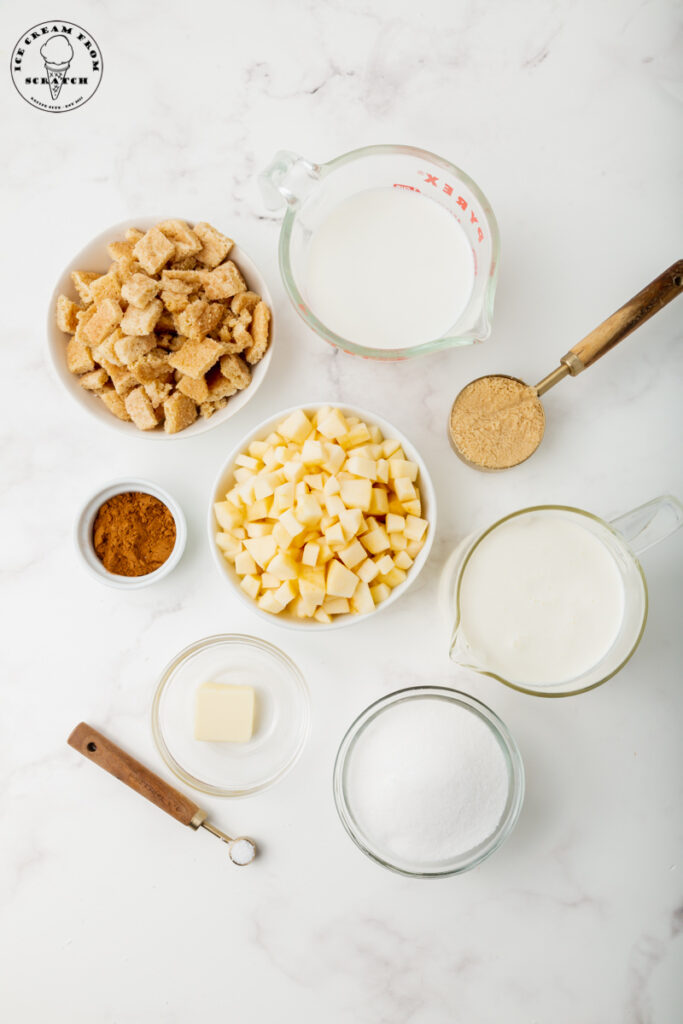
{"points": [[224, 713]]}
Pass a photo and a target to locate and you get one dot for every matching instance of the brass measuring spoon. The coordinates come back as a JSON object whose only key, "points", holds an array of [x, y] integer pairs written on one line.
{"points": [[618, 326], [122, 766]]}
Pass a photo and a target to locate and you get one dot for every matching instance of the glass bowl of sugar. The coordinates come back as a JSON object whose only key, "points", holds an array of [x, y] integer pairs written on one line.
{"points": [[428, 782]]}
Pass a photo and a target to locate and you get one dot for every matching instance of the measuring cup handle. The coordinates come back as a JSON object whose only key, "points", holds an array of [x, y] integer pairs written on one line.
{"points": [[287, 179], [122, 766], [618, 326], [645, 526]]}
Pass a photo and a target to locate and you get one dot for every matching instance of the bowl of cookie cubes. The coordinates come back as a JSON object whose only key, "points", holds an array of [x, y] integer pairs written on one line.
{"points": [[161, 328]]}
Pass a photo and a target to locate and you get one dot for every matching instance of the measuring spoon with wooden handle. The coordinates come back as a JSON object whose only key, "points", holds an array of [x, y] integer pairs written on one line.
{"points": [[101, 751]]}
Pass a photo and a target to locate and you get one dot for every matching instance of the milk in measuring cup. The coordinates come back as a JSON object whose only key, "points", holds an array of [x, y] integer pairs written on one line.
{"points": [[541, 600], [389, 268]]}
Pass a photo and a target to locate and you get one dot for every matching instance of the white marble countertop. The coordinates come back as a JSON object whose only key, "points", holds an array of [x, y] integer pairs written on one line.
{"points": [[567, 115]]}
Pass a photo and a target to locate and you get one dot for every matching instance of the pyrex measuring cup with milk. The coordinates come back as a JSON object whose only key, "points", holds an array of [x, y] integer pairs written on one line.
{"points": [[552, 600], [386, 252]]}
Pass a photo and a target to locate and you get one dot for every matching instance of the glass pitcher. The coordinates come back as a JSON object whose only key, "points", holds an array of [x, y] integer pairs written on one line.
{"points": [[308, 192], [625, 538]]}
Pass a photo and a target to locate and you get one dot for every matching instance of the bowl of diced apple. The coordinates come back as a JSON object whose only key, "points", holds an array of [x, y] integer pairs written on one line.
{"points": [[321, 516]]}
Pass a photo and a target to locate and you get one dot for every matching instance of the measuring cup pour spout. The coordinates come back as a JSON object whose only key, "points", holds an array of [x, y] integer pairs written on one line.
{"points": [[287, 179]]}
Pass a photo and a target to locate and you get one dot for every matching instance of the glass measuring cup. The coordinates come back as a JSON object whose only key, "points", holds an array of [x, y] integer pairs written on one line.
{"points": [[308, 192], [625, 538]]}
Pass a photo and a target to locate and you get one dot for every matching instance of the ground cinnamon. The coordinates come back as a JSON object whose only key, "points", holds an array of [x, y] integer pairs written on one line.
{"points": [[497, 422], [133, 534]]}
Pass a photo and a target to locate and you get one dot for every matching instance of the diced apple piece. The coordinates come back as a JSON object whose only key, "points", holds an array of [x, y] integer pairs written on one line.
{"points": [[398, 541], [239, 532], [283, 567], [308, 510], [362, 601], [259, 529], [415, 528], [248, 462], [334, 505], [390, 447], [321, 616], [332, 425], [261, 549], [353, 555], [414, 547], [393, 578], [312, 585], [269, 581], [359, 466], [375, 434], [367, 570], [332, 486], [242, 474], [384, 564], [356, 494], [358, 434], [297, 427], [399, 468], [286, 593], [268, 603], [413, 507], [291, 524], [301, 608], [259, 509], [379, 502], [229, 545], [293, 470], [336, 605], [334, 535], [245, 564], [257, 449], [314, 481], [326, 553], [340, 581], [227, 516], [402, 560], [376, 541], [351, 520], [310, 553], [383, 471], [313, 453], [274, 439], [394, 523], [251, 586], [380, 592], [404, 488], [335, 457]]}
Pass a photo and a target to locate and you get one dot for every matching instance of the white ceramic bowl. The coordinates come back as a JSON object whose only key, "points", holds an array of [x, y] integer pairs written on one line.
{"points": [[84, 526], [94, 256], [224, 482]]}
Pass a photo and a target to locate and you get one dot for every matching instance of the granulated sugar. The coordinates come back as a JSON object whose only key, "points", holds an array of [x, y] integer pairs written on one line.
{"points": [[497, 422], [427, 781]]}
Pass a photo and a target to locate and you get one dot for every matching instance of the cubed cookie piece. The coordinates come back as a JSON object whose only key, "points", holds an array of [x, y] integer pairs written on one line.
{"points": [[121, 250], [179, 412], [82, 280], [67, 314], [224, 282], [142, 321], [105, 352], [95, 380], [197, 390], [157, 392], [183, 237], [114, 403], [106, 317], [215, 246], [129, 349], [236, 371], [199, 318], [153, 366], [153, 251], [244, 301], [196, 357], [207, 409], [218, 385], [139, 290], [260, 326], [121, 377], [78, 357], [107, 286], [141, 410], [134, 235]]}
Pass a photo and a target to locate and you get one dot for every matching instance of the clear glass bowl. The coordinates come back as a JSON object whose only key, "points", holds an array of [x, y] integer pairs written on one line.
{"points": [[282, 715], [464, 861]]}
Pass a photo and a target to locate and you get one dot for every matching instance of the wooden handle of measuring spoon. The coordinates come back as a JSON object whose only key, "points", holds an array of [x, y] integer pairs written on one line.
{"points": [[122, 766], [620, 324]]}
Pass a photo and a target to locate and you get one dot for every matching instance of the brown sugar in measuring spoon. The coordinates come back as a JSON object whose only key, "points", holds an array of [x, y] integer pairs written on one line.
{"points": [[497, 421], [122, 766]]}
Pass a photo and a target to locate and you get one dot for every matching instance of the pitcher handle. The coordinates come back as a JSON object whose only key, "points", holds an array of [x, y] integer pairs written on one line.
{"points": [[287, 179], [645, 526]]}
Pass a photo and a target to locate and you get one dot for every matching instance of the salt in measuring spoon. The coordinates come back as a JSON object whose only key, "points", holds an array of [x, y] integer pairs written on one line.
{"points": [[609, 333], [122, 766]]}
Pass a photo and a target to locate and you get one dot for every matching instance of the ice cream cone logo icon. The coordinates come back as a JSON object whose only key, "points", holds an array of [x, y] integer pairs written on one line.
{"points": [[57, 54]]}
